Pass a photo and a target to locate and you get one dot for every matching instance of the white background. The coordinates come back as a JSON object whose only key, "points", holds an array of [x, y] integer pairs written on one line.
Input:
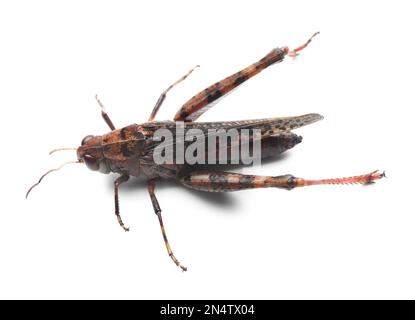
{"points": [[316, 242]]}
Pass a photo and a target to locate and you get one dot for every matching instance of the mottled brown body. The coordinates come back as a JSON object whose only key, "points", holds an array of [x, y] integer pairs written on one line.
{"points": [[130, 151]]}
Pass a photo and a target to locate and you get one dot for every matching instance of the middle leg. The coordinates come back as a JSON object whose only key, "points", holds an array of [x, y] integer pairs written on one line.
{"points": [[151, 186], [164, 93]]}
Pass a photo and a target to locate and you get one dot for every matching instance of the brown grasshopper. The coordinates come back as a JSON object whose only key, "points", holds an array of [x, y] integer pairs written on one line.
{"points": [[129, 151]]}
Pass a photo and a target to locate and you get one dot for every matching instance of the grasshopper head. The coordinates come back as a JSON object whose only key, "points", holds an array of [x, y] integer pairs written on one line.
{"points": [[90, 152]]}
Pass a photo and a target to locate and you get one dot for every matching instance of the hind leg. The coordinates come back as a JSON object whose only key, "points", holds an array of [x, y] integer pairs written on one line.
{"points": [[206, 99], [219, 181]]}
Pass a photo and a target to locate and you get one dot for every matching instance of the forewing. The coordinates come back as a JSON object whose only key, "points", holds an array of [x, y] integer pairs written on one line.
{"points": [[268, 127]]}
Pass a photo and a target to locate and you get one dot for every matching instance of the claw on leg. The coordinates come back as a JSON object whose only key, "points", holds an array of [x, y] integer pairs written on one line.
{"points": [[294, 53], [126, 229], [166, 242]]}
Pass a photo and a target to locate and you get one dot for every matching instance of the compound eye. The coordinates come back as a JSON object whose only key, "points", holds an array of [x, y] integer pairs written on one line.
{"points": [[86, 139], [91, 162]]}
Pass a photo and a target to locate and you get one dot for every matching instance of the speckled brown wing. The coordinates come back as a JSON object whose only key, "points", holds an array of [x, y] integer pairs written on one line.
{"points": [[275, 134], [268, 126]]}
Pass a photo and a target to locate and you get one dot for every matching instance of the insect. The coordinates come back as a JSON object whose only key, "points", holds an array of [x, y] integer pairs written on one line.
{"points": [[129, 151]]}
